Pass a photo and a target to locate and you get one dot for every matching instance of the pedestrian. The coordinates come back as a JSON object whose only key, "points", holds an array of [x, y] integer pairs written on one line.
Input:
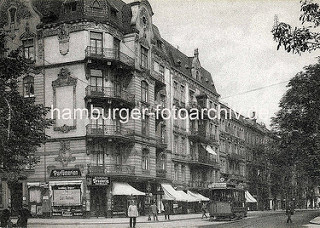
{"points": [[289, 212], [133, 214], [24, 215], [167, 210], [154, 211], [5, 218], [204, 210]]}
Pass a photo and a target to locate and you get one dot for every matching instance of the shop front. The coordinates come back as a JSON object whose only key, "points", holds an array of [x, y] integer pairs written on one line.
{"points": [[39, 200], [65, 193], [66, 198], [122, 194], [100, 199], [181, 202]]}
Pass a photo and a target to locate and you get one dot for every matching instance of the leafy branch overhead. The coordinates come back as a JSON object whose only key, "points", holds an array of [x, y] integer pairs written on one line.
{"points": [[302, 39]]}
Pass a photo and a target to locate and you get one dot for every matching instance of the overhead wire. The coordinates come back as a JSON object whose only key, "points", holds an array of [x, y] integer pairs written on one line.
{"points": [[256, 89]]}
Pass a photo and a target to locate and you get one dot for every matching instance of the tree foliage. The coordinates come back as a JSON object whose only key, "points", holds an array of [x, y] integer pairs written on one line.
{"points": [[22, 122], [300, 39], [297, 122]]}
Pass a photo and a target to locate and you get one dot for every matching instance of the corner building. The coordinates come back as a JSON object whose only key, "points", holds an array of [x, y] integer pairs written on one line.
{"points": [[101, 55]]}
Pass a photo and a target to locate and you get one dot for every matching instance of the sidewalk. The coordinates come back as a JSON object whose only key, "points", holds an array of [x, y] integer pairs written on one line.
{"points": [[100, 220], [174, 219]]}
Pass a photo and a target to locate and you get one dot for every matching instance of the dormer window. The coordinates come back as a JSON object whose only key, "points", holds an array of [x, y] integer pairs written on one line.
{"points": [[96, 5], [70, 7], [113, 13], [12, 15], [159, 44]]}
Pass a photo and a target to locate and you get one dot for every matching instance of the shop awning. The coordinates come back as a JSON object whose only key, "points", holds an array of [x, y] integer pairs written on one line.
{"points": [[187, 197], [250, 198], [171, 194], [124, 189], [209, 149], [198, 196]]}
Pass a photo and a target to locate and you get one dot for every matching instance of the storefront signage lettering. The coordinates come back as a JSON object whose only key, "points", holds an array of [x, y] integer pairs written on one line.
{"points": [[98, 181], [65, 173]]}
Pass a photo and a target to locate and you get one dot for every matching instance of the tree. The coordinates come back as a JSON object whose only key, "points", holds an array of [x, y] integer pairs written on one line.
{"points": [[301, 39], [297, 125], [22, 122]]}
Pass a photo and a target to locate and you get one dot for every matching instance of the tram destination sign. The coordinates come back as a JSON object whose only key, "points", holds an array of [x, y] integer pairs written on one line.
{"points": [[98, 181], [65, 173]]}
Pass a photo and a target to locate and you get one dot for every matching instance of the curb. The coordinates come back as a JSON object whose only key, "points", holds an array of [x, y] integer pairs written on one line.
{"points": [[110, 222]]}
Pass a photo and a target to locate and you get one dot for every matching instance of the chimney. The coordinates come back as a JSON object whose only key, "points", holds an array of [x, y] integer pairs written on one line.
{"points": [[196, 52]]}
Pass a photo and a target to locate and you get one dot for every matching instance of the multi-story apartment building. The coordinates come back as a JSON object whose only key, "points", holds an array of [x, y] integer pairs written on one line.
{"points": [[101, 55]]}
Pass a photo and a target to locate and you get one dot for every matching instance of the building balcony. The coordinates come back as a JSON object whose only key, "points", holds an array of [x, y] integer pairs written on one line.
{"points": [[110, 54], [111, 169], [158, 77], [236, 177], [121, 97], [235, 157], [110, 132], [202, 136], [204, 159], [161, 142], [198, 184], [181, 157], [161, 173]]}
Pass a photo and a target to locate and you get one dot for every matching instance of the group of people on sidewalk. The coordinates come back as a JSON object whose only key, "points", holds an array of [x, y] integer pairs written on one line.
{"points": [[133, 212], [22, 222]]}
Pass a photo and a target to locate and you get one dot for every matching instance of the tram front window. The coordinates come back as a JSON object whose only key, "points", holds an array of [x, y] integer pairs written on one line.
{"points": [[222, 195]]}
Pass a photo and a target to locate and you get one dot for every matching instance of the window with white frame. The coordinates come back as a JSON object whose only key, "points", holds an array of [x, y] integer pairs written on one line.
{"points": [[144, 91], [28, 86], [145, 159], [28, 49]]}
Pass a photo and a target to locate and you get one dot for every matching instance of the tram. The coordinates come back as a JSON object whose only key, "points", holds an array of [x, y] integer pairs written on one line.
{"points": [[227, 202]]}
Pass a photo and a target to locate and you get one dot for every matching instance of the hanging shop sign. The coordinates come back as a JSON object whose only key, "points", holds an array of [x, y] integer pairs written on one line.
{"points": [[98, 181], [65, 173]]}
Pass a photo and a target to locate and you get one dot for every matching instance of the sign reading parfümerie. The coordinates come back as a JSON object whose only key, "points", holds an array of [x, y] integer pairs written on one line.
{"points": [[65, 173], [98, 181]]}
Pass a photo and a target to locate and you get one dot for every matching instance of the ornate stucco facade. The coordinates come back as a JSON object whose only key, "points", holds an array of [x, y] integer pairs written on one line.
{"points": [[108, 54]]}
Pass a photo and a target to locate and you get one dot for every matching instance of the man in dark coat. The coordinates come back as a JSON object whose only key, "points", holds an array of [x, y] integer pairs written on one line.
{"points": [[24, 215], [167, 210]]}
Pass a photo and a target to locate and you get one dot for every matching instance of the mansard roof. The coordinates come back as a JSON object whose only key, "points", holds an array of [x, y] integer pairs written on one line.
{"points": [[183, 63], [52, 11]]}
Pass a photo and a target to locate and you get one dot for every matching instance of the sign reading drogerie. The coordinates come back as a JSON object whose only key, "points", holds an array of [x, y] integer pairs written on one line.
{"points": [[65, 173], [100, 181]]}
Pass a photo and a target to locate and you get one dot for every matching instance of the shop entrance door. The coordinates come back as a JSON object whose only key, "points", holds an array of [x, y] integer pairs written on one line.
{"points": [[98, 201]]}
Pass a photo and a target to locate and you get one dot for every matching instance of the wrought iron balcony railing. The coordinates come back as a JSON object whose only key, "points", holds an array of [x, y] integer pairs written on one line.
{"points": [[156, 75], [109, 54], [109, 92], [161, 173], [108, 130], [111, 169]]}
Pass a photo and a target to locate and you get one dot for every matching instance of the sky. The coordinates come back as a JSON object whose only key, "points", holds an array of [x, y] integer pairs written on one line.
{"points": [[236, 46]]}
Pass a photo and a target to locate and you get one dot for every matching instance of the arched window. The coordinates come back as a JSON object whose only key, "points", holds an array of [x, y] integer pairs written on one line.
{"points": [[28, 86], [145, 159], [144, 91]]}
